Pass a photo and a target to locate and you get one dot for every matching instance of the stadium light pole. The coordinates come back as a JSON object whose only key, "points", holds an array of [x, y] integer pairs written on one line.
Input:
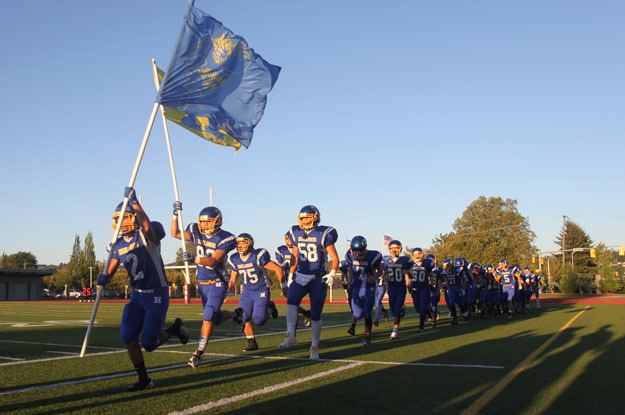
{"points": [[91, 277]]}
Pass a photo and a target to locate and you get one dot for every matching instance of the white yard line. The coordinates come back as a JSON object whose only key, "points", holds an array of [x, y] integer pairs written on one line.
{"points": [[370, 362], [59, 344], [98, 378], [17, 359], [60, 352], [262, 391]]}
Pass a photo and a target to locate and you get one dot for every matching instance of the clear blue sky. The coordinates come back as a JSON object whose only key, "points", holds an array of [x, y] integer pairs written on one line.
{"points": [[389, 116]]}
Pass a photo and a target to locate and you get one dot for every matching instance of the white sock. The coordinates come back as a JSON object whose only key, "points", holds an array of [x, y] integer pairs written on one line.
{"points": [[291, 319], [316, 334]]}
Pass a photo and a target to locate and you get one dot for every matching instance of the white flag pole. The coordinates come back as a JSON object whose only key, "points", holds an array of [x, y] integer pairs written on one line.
{"points": [[175, 183], [131, 183]]}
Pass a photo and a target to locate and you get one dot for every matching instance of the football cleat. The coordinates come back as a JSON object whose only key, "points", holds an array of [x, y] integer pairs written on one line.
{"points": [[179, 330], [289, 342], [394, 335], [385, 314], [307, 321], [194, 361], [141, 385], [251, 345], [351, 331], [376, 323], [314, 353], [273, 311]]}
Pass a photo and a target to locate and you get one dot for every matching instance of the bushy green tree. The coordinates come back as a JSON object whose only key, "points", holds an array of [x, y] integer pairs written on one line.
{"points": [[18, 260], [489, 229], [574, 236], [568, 280]]}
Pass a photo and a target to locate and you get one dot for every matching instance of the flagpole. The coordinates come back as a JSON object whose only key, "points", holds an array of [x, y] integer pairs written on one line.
{"points": [[131, 183], [172, 169]]}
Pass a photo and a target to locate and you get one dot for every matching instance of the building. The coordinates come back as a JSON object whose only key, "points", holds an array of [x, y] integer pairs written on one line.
{"points": [[22, 284]]}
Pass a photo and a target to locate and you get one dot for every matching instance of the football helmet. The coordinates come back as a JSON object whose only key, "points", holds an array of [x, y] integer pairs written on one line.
{"points": [[308, 217], [358, 246], [210, 220], [394, 248], [245, 243], [489, 268], [503, 264], [287, 241], [448, 263], [129, 220], [458, 262]]}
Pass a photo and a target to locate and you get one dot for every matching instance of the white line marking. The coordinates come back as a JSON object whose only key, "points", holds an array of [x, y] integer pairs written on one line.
{"points": [[11, 358], [370, 362], [98, 378], [60, 352], [50, 359], [59, 344], [262, 391]]}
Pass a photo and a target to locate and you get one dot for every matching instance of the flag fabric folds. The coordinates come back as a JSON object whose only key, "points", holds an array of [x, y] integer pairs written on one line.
{"points": [[386, 240], [216, 85]]}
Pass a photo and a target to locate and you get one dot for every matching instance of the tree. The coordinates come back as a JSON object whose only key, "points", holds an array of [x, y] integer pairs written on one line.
{"points": [[608, 280], [18, 260], [488, 230], [89, 252], [575, 237], [77, 267]]}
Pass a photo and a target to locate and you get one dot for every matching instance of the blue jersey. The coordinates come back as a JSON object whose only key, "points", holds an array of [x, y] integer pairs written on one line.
{"points": [[435, 277], [362, 269], [420, 274], [456, 277], [506, 277], [252, 269], [205, 246], [284, 258], [142, 258], [312, 247], [395, 269]]}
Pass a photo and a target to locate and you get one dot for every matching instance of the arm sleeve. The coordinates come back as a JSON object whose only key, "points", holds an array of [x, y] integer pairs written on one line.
{"points": [[263, 258], [227, 244], [330, 237]]}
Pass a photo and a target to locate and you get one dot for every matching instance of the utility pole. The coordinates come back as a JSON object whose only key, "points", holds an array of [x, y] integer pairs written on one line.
{"points": [[210, 195], [564, 218]]}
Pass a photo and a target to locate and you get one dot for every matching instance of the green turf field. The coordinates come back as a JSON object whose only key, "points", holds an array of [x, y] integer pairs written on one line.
{"points": [[441, 371]]}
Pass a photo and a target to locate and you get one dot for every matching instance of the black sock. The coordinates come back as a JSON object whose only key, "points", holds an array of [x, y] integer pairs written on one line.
{"points": [[143, 374]]}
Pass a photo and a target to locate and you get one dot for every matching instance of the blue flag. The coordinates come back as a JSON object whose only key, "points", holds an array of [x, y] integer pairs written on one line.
{"points": [[216, 82]]}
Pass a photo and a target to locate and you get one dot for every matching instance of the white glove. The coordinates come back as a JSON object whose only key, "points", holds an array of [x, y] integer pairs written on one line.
{"points": [[329, 278]]}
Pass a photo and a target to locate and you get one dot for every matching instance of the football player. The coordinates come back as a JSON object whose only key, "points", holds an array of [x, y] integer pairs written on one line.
{"points": [[506, 278], [435, 289], [364, 269], [380, 290], [397, 269], [420, 285], [255, 300], [284, 255], [492, 291], [312, 244], [536, 283], [479, 281], [138, 249], [456, 280], [212, 245]]}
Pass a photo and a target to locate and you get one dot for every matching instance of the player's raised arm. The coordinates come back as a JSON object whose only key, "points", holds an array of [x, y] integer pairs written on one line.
{"points": [[142, 217], [233, 279], [174, 229]]}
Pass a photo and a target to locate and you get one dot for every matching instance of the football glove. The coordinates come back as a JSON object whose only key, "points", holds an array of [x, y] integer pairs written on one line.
{"points": [[177, 207], [103, 279], [130, 193], [187, 257], [329, 278]]}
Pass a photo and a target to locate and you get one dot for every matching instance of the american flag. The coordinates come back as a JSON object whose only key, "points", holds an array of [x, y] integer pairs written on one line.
{"points": [[386, 240]]}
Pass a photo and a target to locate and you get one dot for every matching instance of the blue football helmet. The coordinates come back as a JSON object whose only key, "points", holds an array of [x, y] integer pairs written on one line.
{"points": [[358, 246], [308, 217], [245, 243], [458, 262], [129, 220], [448, 263], [502, 264], [210, 220]]}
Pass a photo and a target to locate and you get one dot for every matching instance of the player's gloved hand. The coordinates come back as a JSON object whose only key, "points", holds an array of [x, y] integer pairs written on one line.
{"points": [[177, 207], [130, 193], [187, 257], [329, 278], [103, 279], [108, 247]]}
